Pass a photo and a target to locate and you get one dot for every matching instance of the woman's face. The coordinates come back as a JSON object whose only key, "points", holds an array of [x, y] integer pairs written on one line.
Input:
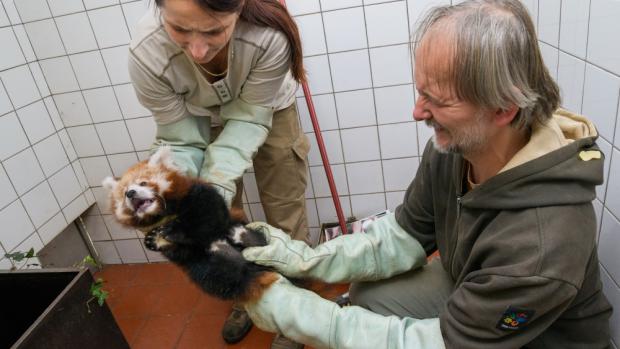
{"points": [[200, 33]]}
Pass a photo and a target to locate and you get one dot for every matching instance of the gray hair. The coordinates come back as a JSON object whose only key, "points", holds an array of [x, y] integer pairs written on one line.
{"points": [[496, 61]]}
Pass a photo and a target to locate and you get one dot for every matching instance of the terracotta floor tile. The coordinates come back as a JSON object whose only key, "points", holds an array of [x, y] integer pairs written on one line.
{"points": [[117, 274], [161, 332], [176, 299], [131, 326], [159, 274], [208, 305], [256, 339], [203, 331], [137, 301]]}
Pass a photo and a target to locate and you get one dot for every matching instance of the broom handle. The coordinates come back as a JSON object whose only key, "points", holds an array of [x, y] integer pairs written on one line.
{"points": [[319, 141]]}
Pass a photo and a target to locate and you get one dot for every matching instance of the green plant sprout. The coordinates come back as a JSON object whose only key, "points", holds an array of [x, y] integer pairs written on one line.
{"points": [[19, 256]]}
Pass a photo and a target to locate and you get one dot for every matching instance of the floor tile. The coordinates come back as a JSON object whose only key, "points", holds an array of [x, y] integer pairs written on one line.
{"points": [[176, 299], [161, 332], [203, 331]]}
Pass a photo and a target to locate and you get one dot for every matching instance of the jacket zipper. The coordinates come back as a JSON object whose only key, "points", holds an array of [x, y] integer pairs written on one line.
{"points": [[456, 243]]}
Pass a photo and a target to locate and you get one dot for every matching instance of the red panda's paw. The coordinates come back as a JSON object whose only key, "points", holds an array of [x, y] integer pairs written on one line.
{"points": [[155, 240]]}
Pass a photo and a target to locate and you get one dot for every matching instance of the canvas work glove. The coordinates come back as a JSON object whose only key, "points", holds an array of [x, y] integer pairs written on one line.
{"points": [[305, 317], [384, 250]]}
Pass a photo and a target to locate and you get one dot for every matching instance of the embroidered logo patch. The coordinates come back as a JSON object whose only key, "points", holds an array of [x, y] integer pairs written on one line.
{"points": [[514, 318]]}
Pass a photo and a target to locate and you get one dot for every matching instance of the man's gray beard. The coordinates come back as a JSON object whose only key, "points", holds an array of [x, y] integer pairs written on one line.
{"points": [[472, 146]]}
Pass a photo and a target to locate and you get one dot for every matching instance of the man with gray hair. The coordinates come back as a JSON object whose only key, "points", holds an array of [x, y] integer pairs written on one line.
{"points": [[503, 192]]}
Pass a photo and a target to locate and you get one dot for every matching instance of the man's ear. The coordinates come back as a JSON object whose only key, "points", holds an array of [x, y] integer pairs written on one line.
{"points": [[504, 117], [163, 157], [109, 183]]}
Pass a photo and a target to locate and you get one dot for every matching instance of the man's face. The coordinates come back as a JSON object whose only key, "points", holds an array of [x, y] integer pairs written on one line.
{"points": [[460, 126], [199, 33]]}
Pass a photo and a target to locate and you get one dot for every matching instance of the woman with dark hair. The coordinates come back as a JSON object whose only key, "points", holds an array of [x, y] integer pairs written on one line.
{"points": [[220, 78]]}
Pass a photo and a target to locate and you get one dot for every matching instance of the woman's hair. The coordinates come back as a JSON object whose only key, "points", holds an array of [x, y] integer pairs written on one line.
{"points": [[495, 59], [266, 13]]}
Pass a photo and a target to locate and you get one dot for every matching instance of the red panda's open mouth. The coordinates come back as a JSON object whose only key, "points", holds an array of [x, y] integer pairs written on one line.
{"points": [[141, 204]]}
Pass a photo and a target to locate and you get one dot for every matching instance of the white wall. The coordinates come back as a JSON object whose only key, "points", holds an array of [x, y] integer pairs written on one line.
{"points": [[63, 64]]}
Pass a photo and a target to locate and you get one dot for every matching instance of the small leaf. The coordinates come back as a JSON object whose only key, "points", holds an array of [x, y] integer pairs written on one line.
{"points": [[30, 253]]}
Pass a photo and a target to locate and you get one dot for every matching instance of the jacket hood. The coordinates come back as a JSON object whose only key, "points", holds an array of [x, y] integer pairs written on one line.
{"points": [[560, 165]]}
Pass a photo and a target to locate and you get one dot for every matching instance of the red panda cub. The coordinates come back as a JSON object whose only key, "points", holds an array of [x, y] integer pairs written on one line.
{"points": [[187, 220]]}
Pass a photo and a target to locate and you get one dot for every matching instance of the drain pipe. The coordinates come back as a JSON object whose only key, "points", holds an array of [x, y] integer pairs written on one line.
{"points": [[319, 141]]}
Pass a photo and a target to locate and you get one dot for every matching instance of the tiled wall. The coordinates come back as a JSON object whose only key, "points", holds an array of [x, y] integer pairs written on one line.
{"points": [[65, 72]]}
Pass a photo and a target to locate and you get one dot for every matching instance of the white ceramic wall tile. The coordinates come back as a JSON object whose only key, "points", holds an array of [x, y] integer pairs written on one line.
{"points": [[45, 39], [608, 244], [96, 169], [574, 27], [24, 43], [51, 228], [394, 104], [32, 10], [4, 19], [394, 199], [72, 109], [154, 256], [612, 292], [387, 24], [109, 26], [360, 144], [121, 162], [11, 52], [63, 7], [5, 103], [617, 137], [39, 79], [549, 21], [102, 104], [532, 8], [311, 31], [327, 211], [65, 186], [350, 70], [24, 171], [81, 177], [103, 201], [391, 65], [332, 142], [116, 62], [89, 69], [327, 5], [399, 173], [91, 4], [299, 7], [59, 75], [20, 86], [600, 99], [133, 12], [612, 200], [319, 77], [321, 186], [131, 251], [12, 136], [325, 110], [51, 155], [73, 210], [345, 29], [398, 140], [425, 133], [36, 121], [107, 252], [312, 214], [550, 57], [15, 224], [356, 108], [85, 140], [365, 177], [417, 9], [40, 204], [366, 205], [606, 148], [96, 228], [76, 33], [570, 78], [142, 132], [67, 145], [601, 51], [7, 193], [117, 231], [130, 106], [11, 11]]}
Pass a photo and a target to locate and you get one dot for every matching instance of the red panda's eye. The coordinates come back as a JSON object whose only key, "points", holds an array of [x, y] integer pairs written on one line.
{"points": [[143, 184]]}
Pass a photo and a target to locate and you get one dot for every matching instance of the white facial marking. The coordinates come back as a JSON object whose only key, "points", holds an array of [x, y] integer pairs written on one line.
{"points": [[238, 233], [215, 246]]}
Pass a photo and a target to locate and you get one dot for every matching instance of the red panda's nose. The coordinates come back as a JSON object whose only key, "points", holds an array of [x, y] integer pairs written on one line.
{"points": [[130, 193]]}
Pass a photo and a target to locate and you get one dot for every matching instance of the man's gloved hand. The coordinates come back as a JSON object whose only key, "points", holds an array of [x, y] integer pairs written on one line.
{"points": [[384, 250], [305, 317]]}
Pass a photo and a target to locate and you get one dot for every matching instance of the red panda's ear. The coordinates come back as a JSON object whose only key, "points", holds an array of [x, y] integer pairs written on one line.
{"points": [[109, 183], [163, 157]]}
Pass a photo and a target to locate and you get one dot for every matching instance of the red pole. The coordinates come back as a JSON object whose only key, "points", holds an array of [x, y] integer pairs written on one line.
{"points": [[319, 141]]}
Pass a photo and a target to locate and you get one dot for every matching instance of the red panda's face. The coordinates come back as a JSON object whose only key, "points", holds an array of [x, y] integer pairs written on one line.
{"points": [[138, 197]]}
